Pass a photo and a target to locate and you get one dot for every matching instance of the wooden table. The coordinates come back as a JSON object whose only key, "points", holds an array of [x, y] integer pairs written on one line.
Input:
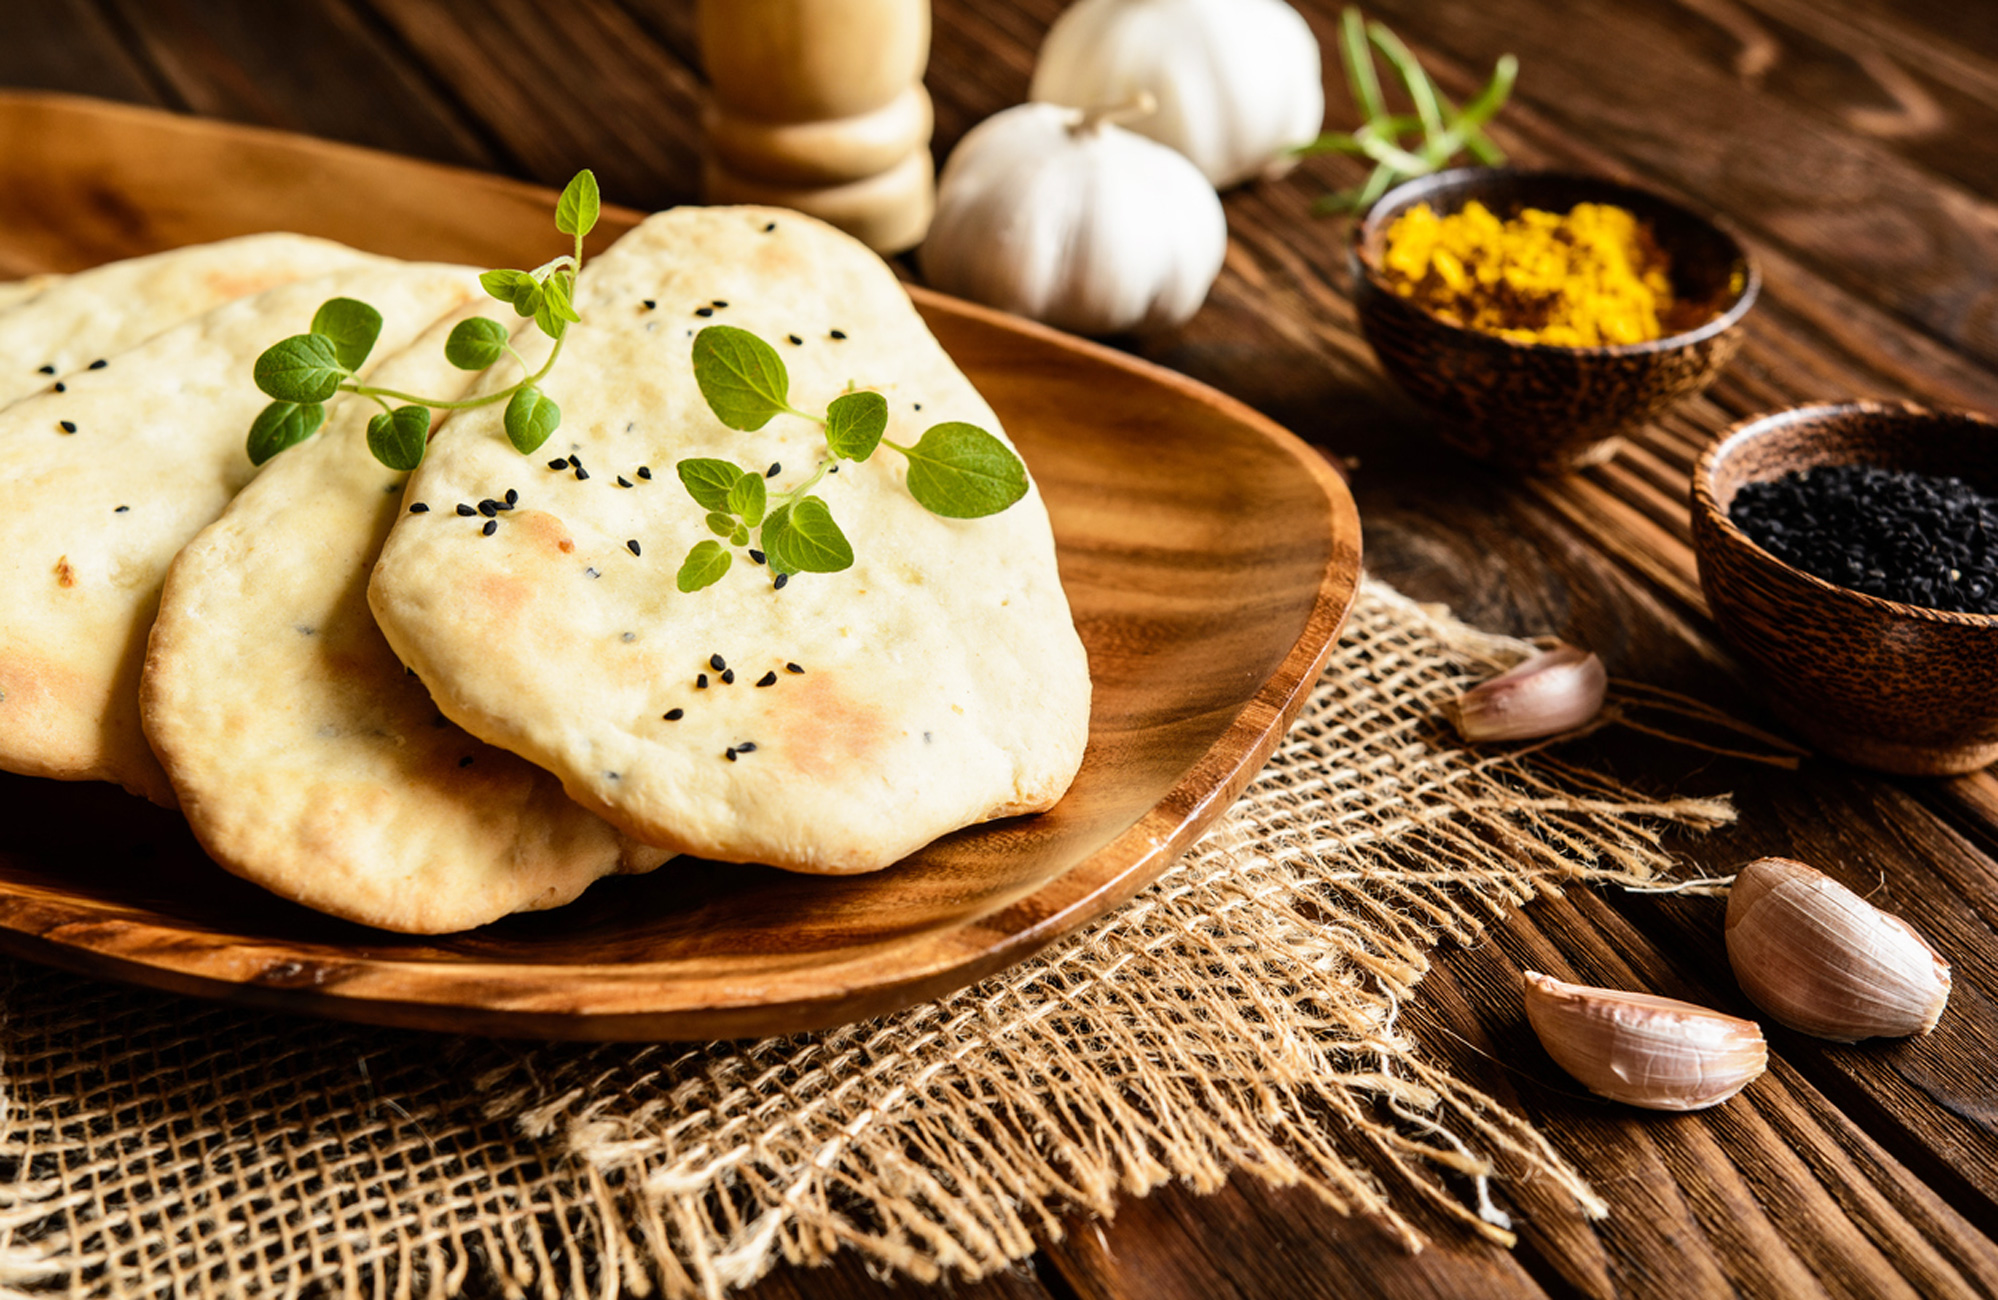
{"points": [[1855, 142]]}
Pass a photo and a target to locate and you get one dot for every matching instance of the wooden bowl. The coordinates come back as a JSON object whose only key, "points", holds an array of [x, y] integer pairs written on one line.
{"points": [[1535, 406], [1885, 685]]}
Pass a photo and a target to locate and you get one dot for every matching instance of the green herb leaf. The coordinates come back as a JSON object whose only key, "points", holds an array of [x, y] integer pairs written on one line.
{"points": [[554, 313], [811, 542], [719, 524], [775, 526], [476, 343], [741, 376], [530, 418], [576, 211], [960, 471], [517, 288], [708, 481], [740, 537], [746, 499], [703, 567], [352, 325], [855, 423], [281, 425], [398, 438], [303, 368]]}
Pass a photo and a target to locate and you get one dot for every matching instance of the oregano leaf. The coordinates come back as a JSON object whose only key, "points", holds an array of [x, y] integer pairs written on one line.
{"points": [[812, 542], [740, 537], [554, 312], [960, 471], [303, 368], [351, 325], [741, 376], [747, 498], [855, 423], [476, 343], [281, 425], [708, 481], [703, 567], [530, 417], [719, 524], [775, 525], [576, 211], [398, 438], [505, 283]]}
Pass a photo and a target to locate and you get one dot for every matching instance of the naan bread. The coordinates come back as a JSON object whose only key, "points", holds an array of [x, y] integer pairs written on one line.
{"points": [[15, 292], [101, 485], [943, 682], [306, 759], [101, 312]]}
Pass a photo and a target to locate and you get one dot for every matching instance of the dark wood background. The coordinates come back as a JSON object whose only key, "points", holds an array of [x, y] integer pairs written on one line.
{"points": [[1855, 142]]}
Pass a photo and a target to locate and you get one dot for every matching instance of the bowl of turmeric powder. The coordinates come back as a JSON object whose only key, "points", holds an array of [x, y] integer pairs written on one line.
{"points": [[1542, 315]]}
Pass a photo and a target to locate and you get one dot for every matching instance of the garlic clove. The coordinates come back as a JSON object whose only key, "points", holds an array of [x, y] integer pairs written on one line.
{"points": [[1824, 961], [1554, 691], [1643, 1050]]}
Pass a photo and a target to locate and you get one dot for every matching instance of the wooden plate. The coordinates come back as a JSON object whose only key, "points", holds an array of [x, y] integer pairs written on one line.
{"points": [[1209, 555]]}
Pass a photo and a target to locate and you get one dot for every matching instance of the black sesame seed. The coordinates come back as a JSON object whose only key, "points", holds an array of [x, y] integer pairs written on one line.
{"points": [[645, 471], [67, 426], [560, 462], [793, 668], [794, 340], [839, 334], [704, 311], [717, 663], [466, 761], [832, 469], [756, 555], [46, 370], [746, 747], [632, 546], [776, 468], [650, 304], [581, 473], [512, 497], [728, 677], [622, 481], [121, 510], [782, 578], [464, 509], [99, 364], [719, 303], [919, 406], [700, 681], [574, 462], [772, 226], [674, 715], [419, 508], [489, 507], [730, 754], [613, 776], [492, 526], [61, 387], [629, 637], [768, 679]]}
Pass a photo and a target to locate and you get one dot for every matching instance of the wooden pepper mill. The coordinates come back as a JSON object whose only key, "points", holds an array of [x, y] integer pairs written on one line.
{"points": [[819, 105]]}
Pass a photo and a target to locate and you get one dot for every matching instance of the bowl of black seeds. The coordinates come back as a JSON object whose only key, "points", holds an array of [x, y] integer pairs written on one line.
{"points": [[1849, 553]]}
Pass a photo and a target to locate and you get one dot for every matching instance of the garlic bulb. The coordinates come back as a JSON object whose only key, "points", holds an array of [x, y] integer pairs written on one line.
{"points": [[1237, 81], [1648, 1051], [1066, 217], [1554, 691], [1824, 961]]}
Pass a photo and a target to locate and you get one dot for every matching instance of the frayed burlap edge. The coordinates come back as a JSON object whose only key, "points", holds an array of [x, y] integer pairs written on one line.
{"points": [[1239, 1015]]}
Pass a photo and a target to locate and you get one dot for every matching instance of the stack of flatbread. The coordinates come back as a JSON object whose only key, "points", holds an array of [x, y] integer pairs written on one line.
{"points": [[424, 701]]}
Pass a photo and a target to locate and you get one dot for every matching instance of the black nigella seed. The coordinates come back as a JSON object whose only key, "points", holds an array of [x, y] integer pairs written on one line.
{"points": [[121, 510], [645, 471], [674, 715], [919, 406], [704, 311], [560, 462], [772, 226], [574, 461], [492, 526], [832, 469], [629, 637], [730, 754], [756, 556], [419, 508], [466, 761], [839, 334], [67, 426], [782, 578], [489, 507], [776, 468], [793, 668], [768, 679], [46, 370], [512, 497], [700, 681], [61, 387], [649, 304], [464, 509], [719, 303], [1914, 538], [632, 546], [717, 663], [794, 340], [728, 677], [581, 473], [746, 747], [99, 364], [622, 481]]}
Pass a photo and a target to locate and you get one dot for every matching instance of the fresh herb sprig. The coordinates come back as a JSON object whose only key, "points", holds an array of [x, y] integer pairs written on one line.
{"points": [[302, 373], [1442, 129], [956, 470]]}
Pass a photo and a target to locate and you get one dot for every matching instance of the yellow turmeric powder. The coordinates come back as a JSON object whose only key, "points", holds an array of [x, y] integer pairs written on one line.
{"points": [[1590, 277]]}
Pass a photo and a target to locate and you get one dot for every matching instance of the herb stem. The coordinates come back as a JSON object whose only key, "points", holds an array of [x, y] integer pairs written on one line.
{"points": [[469, 403], [791, 497]]}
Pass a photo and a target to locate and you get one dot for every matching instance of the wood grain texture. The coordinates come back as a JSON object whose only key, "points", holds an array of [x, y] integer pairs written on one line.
{"points": [[1802, 121]]}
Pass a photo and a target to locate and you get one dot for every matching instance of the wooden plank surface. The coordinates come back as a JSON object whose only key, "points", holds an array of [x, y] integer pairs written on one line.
{"points": [[1852, 141]]}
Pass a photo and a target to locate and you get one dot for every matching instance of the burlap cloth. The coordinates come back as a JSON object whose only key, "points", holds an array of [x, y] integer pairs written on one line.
{"points": [[1241, 1014]]}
